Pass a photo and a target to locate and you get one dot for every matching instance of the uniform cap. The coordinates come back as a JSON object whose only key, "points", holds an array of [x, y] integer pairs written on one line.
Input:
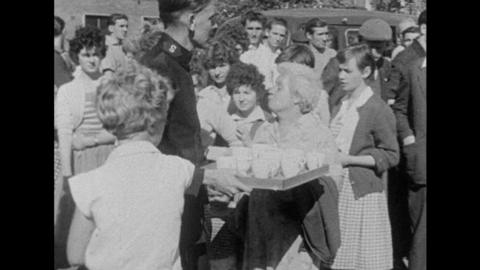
{"points": [[376, 30]]}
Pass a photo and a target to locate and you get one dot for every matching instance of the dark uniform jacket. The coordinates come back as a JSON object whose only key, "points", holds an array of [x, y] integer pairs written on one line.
{"points": [[411, 113], [181, 136]]}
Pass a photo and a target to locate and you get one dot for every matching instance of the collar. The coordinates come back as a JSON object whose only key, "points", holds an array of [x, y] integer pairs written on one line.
{"points": [[315, 50], [79, 74], [132, 148], [266, 47], [111, 41], [361, 100], [168, 45], [255, 115]]}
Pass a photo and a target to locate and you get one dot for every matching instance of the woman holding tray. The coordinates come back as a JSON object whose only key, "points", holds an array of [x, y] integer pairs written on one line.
{"points": [[280, 222], [364, 129]]}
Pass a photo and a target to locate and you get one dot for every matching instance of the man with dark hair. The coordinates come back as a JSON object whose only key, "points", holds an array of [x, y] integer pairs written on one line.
{"points": [[187, 22], [263, 56], [61, 71], [410, 109], [115, 58], [254, 23], [316, 32]]}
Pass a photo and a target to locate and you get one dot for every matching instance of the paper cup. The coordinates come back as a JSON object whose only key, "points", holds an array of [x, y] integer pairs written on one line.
{"points": [[242, 152], [243, 165], [290, 167], [226, 163], [261, 168]]}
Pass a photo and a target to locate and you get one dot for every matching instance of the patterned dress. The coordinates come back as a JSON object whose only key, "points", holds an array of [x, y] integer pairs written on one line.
{"points": [[364, 223]]}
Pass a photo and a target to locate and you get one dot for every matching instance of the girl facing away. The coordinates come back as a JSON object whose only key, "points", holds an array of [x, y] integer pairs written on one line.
{"points": [[128, 211]]}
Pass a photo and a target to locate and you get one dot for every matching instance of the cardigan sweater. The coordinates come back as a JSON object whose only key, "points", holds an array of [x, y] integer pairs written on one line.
{"points": [[375, 135], [70, 103]]}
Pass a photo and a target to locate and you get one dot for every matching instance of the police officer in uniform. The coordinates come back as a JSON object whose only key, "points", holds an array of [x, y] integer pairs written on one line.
{"points": [[187, 24]]}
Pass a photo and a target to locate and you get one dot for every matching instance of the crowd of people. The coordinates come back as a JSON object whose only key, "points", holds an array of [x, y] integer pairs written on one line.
{"points": [[135, 117]]}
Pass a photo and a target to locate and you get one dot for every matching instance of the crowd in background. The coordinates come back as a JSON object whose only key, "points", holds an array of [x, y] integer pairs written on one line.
{"points": [[135, 117]]}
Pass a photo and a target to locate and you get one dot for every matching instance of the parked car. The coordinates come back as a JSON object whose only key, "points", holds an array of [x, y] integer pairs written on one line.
{"points": [[343, 23]]}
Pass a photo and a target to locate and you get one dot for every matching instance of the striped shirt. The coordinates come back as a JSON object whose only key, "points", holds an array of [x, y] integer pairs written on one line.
{"points": [[91, 124]]}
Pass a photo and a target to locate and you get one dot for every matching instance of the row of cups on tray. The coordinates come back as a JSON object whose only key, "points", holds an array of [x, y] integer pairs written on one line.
{"points": [[263, 161]]}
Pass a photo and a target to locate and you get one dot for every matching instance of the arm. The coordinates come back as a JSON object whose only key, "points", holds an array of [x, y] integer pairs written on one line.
{"points": [[226, 127], [223, 181], [64, 125], [322, 109], [401, 105], [65, 147], [78, 238], [364, 161], [385, 153], [105, 137]]}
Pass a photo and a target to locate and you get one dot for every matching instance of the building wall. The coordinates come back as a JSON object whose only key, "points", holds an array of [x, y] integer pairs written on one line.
{"points": [[73, 11]]}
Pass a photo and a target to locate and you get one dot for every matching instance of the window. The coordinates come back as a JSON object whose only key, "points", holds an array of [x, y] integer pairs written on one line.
{"points": [[351, 36], [100, 21]]}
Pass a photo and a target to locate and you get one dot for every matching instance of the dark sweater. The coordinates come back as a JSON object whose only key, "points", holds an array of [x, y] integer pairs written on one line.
{"points": [[375, 135], [181, 136]]}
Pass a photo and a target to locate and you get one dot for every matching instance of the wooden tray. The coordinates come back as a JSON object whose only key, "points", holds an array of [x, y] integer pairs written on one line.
{"points": [[278, 183]]}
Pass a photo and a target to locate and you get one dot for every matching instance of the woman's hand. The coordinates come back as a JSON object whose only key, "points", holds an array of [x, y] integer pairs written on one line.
{"points": [[80, 141], [244, 137]]}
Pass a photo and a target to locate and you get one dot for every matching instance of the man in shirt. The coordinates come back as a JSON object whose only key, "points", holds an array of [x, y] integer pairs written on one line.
{"points": [[187, 22], [317, 33], [254, 23], [263, 57], [115, 58]]}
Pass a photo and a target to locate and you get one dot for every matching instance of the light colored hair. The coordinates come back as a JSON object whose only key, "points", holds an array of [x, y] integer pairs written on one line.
{"points": [[132, 101], [303, 82]]}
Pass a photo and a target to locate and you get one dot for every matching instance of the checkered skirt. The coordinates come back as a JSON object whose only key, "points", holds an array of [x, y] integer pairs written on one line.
{"points": [[365, 231]]}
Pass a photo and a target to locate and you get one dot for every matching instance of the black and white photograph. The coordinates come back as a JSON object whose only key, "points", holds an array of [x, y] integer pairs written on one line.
{"points": [[240, 135]]}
